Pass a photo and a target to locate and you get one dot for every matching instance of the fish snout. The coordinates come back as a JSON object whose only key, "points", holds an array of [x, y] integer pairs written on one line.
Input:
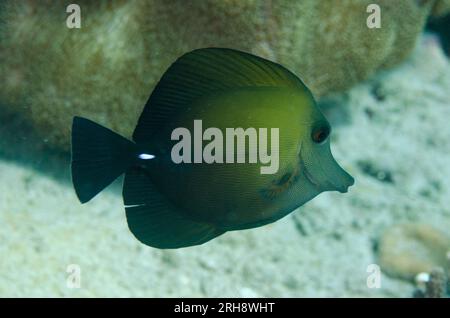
{"points": [[343, 183], [325, 173], [338, 179]]}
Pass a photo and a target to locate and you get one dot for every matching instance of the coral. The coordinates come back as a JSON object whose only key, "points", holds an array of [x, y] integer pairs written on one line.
{"points": [[436, 285], [107, 69], [409, 249], [440, 8]]}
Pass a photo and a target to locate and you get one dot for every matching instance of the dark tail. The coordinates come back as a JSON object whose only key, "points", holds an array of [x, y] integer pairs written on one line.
{"points": [[99, 156]]}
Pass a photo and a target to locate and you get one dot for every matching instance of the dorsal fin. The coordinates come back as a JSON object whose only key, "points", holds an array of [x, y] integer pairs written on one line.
{"points": [[204, 71]]}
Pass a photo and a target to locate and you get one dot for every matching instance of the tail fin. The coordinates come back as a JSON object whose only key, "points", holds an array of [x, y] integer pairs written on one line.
{"points": [[99, 156]]}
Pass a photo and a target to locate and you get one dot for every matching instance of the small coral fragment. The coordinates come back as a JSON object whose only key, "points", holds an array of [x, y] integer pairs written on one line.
{"points": [[409, 249], [435, 285]]}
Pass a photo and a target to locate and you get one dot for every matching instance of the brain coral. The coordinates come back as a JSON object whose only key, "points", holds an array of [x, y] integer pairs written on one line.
{"points": [[106, 69]]}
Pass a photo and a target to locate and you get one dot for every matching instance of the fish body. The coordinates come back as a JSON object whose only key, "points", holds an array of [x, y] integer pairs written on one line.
{"points": [[238, 194], [172, 205]]}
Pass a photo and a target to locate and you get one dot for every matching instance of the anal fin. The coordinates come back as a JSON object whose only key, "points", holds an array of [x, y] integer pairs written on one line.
{"points": [[155, 221]]}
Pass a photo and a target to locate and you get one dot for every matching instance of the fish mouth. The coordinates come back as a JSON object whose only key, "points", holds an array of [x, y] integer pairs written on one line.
{"points": [[342, 188], [329, 184]]}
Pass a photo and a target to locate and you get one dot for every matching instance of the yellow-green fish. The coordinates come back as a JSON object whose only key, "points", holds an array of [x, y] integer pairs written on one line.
{"points": [[227, 141]]}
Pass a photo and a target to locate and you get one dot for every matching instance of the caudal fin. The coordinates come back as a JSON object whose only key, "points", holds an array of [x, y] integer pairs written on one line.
{"points": [[99, 156]]}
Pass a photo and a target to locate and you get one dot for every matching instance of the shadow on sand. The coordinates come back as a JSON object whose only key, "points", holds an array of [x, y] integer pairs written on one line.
{"points": [[20, 144]]}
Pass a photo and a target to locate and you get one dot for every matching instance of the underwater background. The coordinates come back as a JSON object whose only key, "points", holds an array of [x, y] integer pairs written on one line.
{"points": [[385, 91]]}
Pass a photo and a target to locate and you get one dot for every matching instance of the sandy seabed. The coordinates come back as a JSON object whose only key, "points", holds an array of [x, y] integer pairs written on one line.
{"points": [[391, 133]]}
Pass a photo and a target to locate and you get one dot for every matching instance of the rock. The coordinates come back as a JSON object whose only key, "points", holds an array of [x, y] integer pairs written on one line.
{"points": [[410, 249], [107, 69]]}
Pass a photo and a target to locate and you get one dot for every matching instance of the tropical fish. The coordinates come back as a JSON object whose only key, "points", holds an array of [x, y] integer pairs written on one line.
{"points": [[178, 204]]}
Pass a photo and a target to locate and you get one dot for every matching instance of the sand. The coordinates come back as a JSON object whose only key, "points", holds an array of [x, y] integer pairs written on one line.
{"points": [[391, 133]]}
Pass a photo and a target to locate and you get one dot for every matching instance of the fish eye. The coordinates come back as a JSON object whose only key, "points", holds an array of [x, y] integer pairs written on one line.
{"points": [[320, 133]]}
